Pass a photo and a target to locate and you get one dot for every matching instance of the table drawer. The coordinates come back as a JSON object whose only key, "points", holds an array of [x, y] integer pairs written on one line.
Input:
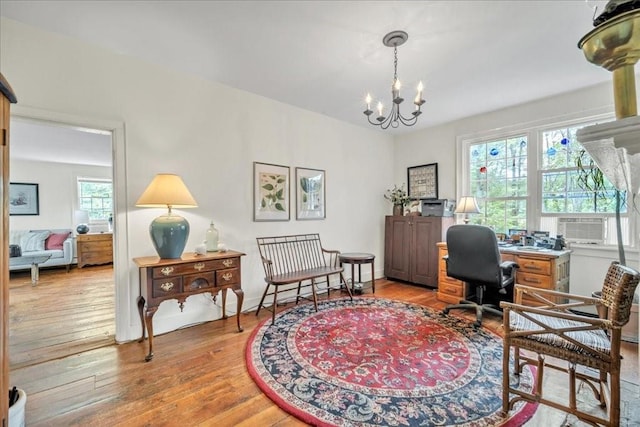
{"points": [[535, 280], [169, 286], [230, 276], [180, 269], [226, 263], [532, 265], [197, 281]]}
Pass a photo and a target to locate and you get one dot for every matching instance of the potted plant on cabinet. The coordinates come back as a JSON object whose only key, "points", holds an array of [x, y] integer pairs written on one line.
{"points": [[399, 198]]}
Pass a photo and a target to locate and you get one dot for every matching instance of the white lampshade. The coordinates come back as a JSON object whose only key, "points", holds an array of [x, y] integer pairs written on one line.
{"points": [[166, 190], [467, 205]]}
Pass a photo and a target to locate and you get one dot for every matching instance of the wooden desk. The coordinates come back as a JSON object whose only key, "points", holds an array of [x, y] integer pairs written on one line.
{"points": [[164, 279], [541, 269]]}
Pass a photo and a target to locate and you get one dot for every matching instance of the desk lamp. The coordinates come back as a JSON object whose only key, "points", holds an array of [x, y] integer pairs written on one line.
{"points": [[467, 205], [169, 232]]}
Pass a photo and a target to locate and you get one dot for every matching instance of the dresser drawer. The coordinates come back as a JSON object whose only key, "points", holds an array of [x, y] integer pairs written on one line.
{"points": [[532, 265], [230, 276], [197, 281], [169, 286]]}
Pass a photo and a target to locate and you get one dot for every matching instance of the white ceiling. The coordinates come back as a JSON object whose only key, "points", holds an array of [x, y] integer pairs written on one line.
{"points": [[324, 56]]}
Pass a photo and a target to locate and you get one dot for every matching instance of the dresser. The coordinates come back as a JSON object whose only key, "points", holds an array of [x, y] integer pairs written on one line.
{"points": [[410, 251], [177, 279], [94, 249], [540, 269]]}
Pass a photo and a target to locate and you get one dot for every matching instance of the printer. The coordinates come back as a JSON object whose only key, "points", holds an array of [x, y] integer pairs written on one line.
{"points": [[437, 207]]}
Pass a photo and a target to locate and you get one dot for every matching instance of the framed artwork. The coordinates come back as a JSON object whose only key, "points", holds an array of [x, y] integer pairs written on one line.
{"points": [[23, 199], [422, 181], [310, 194], [270, 192]]}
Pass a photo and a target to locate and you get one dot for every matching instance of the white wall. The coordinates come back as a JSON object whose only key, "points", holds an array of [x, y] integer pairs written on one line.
{"points": [[209, 134], [57, 191]]}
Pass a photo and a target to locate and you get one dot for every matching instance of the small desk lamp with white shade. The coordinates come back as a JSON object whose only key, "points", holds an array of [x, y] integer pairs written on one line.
{"points": [[169, 233], [467, 205]]}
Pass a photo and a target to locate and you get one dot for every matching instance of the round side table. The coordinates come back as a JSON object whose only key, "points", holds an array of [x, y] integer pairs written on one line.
{"points": [[359, 258]]}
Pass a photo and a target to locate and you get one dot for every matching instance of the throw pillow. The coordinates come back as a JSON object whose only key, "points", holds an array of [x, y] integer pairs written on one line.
{"points": [[55, 241], [34, 241]]}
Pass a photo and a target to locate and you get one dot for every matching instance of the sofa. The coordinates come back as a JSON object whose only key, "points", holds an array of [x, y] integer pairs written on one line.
{"points": [[56, 242]]}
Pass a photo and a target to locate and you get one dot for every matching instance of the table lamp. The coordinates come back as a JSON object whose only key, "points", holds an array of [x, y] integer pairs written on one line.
{"points": [[82, 220], [168, 232], [467, 205]]}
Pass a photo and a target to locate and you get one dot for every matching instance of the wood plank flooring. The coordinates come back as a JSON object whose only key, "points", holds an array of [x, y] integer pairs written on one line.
{"points": [[197, 377], [65, 313]]}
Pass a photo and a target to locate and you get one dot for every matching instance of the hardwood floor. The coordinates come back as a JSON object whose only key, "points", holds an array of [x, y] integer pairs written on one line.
{"points": [[65, 313], [197, 377]]}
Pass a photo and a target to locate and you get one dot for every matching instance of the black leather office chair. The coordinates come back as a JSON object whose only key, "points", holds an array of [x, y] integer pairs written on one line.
{"points": [[473, 257]]}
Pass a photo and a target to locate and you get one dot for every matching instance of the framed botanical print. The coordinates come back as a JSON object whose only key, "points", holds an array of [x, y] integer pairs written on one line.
{"points": [[23, 199], [310, 194], [422, 181], [270, 192]]}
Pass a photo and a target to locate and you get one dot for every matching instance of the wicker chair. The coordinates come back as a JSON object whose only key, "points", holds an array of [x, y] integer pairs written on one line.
{"points": [[554, 329]]}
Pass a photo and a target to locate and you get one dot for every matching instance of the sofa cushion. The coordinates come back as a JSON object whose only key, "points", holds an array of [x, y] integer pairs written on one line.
{"points": [[55, 253], [55, 240], [33, 241]]}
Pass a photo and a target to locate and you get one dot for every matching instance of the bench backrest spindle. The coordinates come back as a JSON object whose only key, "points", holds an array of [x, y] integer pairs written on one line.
{"points": [[291, 253]]}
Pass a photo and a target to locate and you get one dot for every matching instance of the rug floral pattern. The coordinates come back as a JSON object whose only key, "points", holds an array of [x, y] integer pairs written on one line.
{"points": [[378, 362]]}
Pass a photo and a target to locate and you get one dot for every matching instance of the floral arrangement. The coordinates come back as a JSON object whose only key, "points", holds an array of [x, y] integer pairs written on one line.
{"points": [[397, 196]]}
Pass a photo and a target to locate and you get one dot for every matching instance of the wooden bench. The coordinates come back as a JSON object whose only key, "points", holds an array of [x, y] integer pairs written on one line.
{"points": [[295, 259]]}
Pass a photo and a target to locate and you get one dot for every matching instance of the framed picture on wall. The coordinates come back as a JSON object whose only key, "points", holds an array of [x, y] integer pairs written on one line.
{"points": [[422, 181], [270, 192], [23, 199], [310, 194]]}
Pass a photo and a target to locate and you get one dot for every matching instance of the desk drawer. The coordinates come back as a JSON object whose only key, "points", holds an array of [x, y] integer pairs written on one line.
{"points": [[534, 280], [197, 281], [451, 286], [532, 265], [168, 286]]}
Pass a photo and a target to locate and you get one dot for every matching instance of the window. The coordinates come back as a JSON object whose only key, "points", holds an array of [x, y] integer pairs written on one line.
{"points": [[496, 173], [95, 196], [498, 180]]}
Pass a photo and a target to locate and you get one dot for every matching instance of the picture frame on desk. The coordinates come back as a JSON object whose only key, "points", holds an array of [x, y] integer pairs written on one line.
{"points": [[422, 181]]}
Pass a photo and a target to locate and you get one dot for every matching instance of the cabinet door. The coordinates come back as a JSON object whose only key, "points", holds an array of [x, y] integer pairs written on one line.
{"points": [[397, 241], [424, 259]]}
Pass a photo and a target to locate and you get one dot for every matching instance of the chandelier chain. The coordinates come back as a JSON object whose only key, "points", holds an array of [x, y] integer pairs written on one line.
{"points": [[395, 64]]}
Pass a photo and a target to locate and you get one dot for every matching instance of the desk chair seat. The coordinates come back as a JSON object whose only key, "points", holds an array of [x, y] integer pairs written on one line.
{"points": [[474, 257]]}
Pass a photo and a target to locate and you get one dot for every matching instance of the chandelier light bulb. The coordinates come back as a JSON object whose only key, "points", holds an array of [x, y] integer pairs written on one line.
{"points": [[395, 118]]}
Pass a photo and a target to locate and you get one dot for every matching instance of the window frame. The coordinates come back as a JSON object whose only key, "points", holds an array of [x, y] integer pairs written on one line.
{"points": [[533, 132], [79, 180]]}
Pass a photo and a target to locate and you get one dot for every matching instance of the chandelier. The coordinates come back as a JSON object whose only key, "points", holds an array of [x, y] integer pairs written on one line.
{"points": [[395, 39]]}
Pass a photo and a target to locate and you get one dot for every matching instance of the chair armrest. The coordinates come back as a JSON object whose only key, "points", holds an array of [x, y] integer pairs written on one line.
{"points": [[559, 314], [548, 292], [506, 265]]}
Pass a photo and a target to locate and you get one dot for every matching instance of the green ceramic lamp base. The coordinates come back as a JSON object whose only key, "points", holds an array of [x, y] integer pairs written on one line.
{"points": [[169, 234]]}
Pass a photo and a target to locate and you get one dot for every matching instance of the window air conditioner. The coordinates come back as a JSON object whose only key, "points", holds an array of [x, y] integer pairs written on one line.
{"points": [[582, 230]]}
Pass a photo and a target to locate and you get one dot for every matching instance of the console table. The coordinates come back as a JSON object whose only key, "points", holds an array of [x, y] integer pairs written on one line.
{"points": [[164, 279]]}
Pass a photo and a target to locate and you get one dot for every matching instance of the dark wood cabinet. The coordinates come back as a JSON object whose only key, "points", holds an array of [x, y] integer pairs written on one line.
{"points": [[410, 251]]}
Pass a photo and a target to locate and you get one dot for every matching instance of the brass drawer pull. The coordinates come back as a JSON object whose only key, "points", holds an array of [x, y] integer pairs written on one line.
{"points": [[227, 276], [167, 270], [227, 262], [166, 286], [532, 267], [527, 279], [198, 266]]}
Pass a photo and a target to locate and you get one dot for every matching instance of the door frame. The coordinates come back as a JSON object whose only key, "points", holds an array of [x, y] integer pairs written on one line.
{"points": [[121, 275]]}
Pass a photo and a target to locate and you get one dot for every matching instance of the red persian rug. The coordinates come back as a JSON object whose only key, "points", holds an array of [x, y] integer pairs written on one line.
{"points": [[378, 362]]}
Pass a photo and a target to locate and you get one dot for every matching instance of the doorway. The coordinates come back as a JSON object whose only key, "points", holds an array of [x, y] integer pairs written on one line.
{"points": [[65, 312]]}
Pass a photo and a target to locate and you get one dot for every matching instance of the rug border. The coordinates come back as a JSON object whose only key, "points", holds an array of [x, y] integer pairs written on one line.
{"points": [[524, 415]]}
